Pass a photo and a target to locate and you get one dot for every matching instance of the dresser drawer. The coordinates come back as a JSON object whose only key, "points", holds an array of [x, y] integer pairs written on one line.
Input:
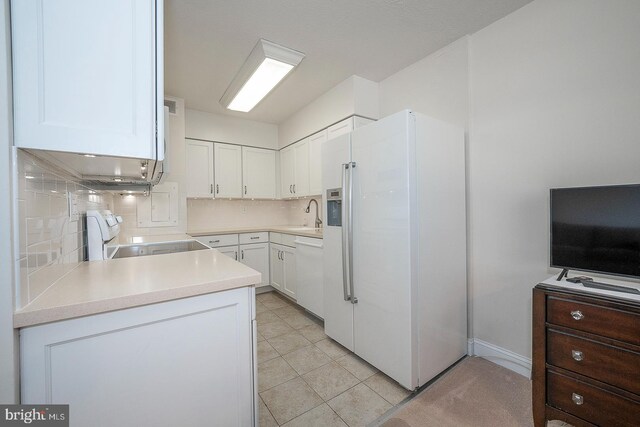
{"points": [[590, 403], [612, 365], [261, 237], [617, 324]]}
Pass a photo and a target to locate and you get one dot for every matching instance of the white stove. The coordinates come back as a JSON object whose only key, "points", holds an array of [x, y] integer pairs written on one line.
{"points": [[102, 227]]}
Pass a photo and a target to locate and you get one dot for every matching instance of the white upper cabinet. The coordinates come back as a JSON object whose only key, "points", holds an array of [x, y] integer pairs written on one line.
{"points": [[258, 173], [301, 185], [346, 126], [228, 170], [88, 76], [340, 128], [287, 171], [199, 167], [294, 170], [315, 162]]}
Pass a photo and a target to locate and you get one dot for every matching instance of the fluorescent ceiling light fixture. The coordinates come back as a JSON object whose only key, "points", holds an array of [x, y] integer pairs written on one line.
{"points": [[267, 64]]}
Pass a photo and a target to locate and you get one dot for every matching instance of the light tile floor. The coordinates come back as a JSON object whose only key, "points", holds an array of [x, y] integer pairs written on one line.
{"points": [[307, 379]]}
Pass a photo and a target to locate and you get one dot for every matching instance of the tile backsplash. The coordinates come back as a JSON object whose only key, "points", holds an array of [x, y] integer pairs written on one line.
{"points": [[50, 241], [206, 214]]}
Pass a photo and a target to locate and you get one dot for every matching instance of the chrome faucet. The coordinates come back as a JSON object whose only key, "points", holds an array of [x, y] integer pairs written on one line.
{"points": [[318, 220]]}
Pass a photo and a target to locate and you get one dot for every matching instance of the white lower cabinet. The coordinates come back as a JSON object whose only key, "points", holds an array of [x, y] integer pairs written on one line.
{"points": [[230, 251], [256, 256], [309, 275], [276, 266], [183, 362], [283, 269]]}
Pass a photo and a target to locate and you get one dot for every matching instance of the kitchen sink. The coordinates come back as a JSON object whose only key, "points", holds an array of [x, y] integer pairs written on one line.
{"points": [[158, 248]]}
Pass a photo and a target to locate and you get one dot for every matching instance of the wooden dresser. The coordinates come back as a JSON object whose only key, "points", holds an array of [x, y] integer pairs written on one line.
{"points": [[586, 358]]}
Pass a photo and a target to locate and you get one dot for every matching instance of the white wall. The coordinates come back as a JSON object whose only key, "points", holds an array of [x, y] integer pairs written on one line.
{"points": [[8, 336], [355, 95], [554, 100], [218, 128], [436, 85]]}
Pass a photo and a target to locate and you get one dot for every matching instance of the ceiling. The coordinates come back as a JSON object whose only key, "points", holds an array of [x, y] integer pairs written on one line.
{"points": [[207, 41]]}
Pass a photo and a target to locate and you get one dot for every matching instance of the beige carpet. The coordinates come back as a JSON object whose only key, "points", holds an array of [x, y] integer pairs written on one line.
{"points": [[475, 393]]}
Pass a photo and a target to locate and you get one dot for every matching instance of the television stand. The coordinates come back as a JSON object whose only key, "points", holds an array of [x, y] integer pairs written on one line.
{"points": [[563, 274]]}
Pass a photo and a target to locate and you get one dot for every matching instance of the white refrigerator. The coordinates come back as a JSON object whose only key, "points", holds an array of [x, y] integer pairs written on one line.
{"points": [[395, 245]]}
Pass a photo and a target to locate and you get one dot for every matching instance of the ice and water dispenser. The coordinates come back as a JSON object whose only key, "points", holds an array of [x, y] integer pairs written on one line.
{"points": [[334, 207]]}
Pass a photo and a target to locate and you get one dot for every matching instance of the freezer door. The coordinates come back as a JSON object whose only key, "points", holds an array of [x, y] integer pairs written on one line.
{"points": [[338, 312], [384, 157]]}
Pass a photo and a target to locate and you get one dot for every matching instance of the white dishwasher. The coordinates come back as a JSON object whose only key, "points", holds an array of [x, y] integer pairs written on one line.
{"points": [[309, 274]]}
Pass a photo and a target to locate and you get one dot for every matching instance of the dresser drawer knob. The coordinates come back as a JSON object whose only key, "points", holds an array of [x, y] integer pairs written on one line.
{"points": [[577, 355], [577, 314], [577, 399]]}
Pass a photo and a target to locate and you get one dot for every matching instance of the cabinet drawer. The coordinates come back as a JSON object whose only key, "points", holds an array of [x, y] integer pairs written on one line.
{"points": [[591, 403], [617, 324], [599, 361], [289, 240], [254, 238], [275, 238], [218, 240]]}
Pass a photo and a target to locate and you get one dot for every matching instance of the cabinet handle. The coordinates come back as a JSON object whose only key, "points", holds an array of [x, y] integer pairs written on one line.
{"points": [[577, 355], [577, 315], [236, 255], [242, 254], [294, 189], [211, 188], [254, 237], [291, 189], [214, 241], [283, 255], [577, 399], [217, 189], [245, 189]]}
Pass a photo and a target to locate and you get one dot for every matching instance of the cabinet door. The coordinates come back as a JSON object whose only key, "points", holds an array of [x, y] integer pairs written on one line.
{"points": [[199, 164], [289, 258], [315, 162], [309, 274], [228, 170], [256, 256], [85, 78], [276, 267], [340, 128], [301, 183], [127, 351], [230, 251], [258, 173], [287, 171]]}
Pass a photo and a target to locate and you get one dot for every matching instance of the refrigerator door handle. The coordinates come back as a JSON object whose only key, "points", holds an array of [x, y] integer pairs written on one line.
{"points": [[345, 235], [354, 300]]}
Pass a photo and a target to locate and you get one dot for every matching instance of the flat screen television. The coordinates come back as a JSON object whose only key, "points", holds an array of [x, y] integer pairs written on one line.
{"points": [[596, 229]]}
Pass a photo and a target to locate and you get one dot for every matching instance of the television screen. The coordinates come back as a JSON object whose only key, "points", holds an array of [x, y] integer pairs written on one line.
{"points": [[596, 229]]}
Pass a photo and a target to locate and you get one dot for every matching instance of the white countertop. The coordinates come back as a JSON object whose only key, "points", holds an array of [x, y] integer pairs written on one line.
{"points": [[101, 286], [296, 230], [578, 286]]}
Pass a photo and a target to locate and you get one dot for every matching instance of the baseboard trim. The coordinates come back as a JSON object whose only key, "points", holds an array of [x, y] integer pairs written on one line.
{"points": [[500, 356]]}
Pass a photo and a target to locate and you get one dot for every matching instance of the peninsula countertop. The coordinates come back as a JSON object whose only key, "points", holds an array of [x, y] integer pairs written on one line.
{"points": [[116, 284], [296, 230]]}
